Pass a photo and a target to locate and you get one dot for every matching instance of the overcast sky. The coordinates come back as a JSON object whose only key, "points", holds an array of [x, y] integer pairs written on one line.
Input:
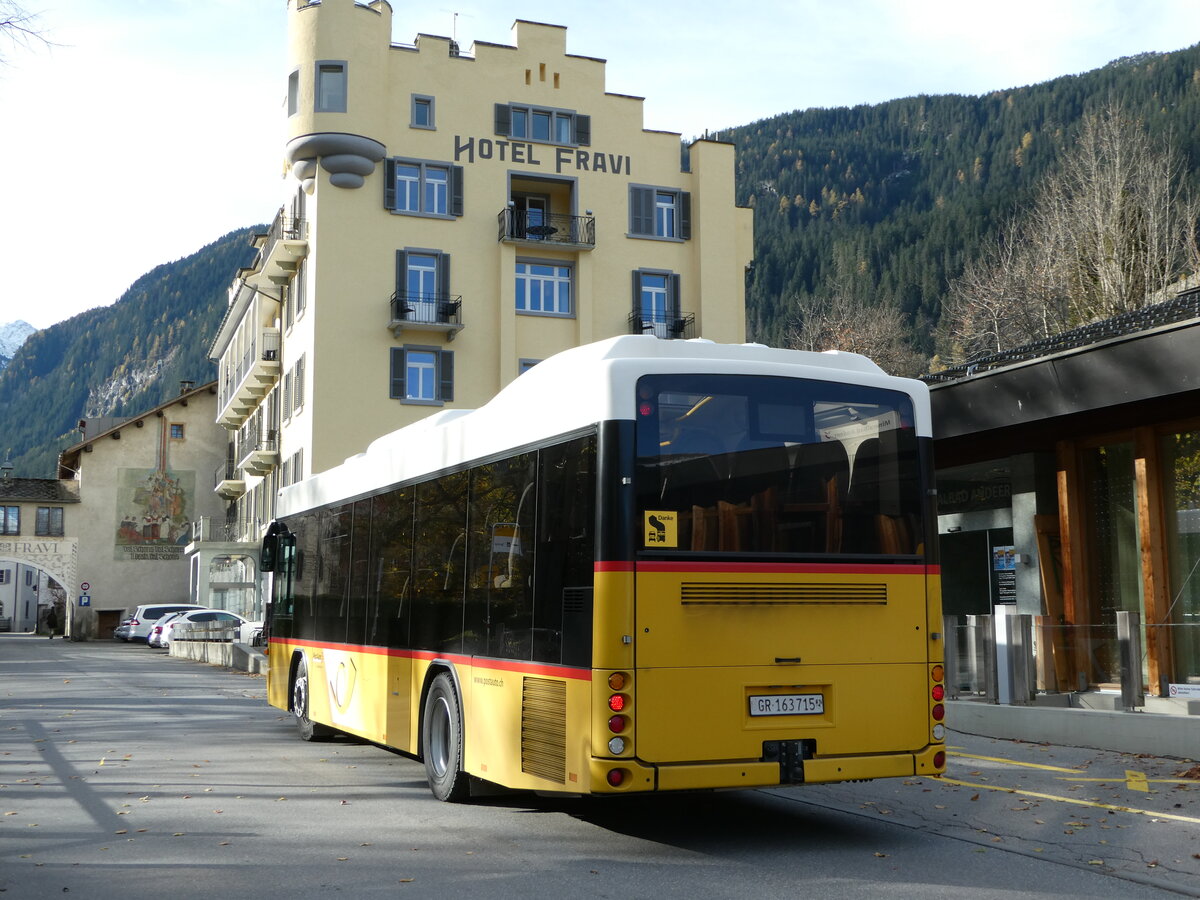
{"points": [[153, 127]]}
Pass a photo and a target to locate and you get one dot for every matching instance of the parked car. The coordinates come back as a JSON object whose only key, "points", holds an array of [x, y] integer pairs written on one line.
{"points": [[214, 618], [136, 626], [153, 639]]}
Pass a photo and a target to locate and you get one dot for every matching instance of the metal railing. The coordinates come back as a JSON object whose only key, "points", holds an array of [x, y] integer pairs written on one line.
{"points": [[283, 228], [264, 346], [226, 471], [1010, 659], [546, 228], [426, 309], [227, 531], [671, 326]]}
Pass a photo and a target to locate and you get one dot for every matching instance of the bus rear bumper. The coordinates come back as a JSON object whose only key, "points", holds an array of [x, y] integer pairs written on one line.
{"points": [[637, 776]]}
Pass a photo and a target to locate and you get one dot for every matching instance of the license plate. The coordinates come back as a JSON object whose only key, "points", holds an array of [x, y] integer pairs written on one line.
{"points": [[787, 704]]}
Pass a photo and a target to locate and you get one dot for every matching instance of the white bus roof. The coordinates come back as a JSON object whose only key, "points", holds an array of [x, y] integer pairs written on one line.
{"points": [[567, 392]]}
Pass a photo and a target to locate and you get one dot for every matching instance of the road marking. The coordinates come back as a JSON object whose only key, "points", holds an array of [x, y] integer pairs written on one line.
{"points": [[1137, 781], [1012, 762], [1073, 800]]}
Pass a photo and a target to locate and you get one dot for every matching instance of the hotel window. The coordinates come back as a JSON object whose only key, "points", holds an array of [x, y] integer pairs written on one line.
{"points": [[331, 86], [423, 287], [660, 212], [656, 302], [177, 431], [422, 112], [49, 521], [422, 375], [550, 126], [544, 289], [423, 187], [10, 520]]}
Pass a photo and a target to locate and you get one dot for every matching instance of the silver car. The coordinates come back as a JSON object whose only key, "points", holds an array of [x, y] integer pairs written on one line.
{"points": [[136, 626]]}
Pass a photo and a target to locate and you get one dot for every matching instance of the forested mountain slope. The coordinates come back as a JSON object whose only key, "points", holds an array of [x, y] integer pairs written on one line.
{"points": [[117, 360], [887, 202]]}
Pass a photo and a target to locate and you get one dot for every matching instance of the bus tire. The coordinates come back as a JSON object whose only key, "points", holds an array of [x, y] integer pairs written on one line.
{"points": [[308, 729], [441, 741]]}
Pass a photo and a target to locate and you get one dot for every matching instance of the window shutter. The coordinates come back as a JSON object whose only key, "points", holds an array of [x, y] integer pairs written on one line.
{"points": [[401, 279], [456, 190], [446, 375], [389, 184], [685, 215], [287, 396], [637, 292], [641, 210], [396, 391], [298, 384], [673, 296], [583, 130], [443, 276], [503, 119]]}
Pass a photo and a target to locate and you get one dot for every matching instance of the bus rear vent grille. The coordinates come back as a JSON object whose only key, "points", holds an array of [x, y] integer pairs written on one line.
{"points": [[704, 593], [544, 728]]}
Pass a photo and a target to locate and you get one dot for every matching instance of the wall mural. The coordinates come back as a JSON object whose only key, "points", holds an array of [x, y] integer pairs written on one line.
{"points": [[154, 509]]}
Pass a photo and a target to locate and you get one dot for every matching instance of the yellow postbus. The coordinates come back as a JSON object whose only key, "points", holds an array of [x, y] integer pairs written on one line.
{"points": [[645, 565]]}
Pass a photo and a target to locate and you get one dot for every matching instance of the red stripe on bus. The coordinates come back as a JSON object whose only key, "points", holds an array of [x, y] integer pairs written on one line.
{"points": [[750, 568], [477, 662]]}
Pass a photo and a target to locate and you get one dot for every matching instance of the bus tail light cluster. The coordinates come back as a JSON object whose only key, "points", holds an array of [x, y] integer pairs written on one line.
{"points": [[619, 703], [937, 693]]}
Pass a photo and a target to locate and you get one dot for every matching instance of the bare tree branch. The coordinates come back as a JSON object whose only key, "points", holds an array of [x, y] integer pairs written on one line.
{"points": [[1112, 230], [20, 26]]}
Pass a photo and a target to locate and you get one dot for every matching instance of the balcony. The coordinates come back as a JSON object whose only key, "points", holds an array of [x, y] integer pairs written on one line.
{"points": [[257, 451], [669, 326], [280, 251], [536, 228], [247, 382], [425, 312], [228, 482], [208, 529]]}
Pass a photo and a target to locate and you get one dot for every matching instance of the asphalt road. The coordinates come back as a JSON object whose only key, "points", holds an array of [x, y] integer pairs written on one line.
{"points": [[125, 773]]}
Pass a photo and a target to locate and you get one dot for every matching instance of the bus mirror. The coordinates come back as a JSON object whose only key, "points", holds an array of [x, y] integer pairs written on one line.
{"points": [[269, 557]]}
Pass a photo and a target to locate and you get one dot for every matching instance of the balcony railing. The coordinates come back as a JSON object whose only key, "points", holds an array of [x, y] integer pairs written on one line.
{"points": [[426, 312], [670, 326], [228, 480], [523, 226], [228, 531], [251, 378], [283, 246]]}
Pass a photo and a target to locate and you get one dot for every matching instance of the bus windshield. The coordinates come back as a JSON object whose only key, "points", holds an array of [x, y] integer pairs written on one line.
{"points": [[774, 465]]}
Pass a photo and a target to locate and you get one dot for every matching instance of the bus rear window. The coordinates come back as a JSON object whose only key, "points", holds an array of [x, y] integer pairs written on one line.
{"points": [[773, 465]]}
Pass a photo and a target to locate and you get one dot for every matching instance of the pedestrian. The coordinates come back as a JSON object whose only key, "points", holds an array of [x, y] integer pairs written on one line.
{"points": [[52, 622]]}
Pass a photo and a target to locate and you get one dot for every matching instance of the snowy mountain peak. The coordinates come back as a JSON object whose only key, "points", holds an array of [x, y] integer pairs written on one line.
{"points": [[13, 335]]}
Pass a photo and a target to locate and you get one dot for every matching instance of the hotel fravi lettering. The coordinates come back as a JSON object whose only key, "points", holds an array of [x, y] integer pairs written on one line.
{"points": [[560, 158]]}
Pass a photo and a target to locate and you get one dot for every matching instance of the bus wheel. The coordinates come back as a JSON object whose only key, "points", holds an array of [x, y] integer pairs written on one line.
{"points": [[441, 741], [309, 730]]}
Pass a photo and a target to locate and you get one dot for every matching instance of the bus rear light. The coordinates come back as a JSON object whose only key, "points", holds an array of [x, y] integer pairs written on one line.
{"points": [[938, 692], [616, 746], [938, 712], [617, 680], [616, 777], [937, 673], [617, 724], [939, 732], [616, 702], [939, 759]]}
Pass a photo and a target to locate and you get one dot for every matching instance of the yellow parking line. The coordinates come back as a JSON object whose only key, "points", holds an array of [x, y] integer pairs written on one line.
{"points": [[1012, 762], [1137, 781], [1092, 803]]}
